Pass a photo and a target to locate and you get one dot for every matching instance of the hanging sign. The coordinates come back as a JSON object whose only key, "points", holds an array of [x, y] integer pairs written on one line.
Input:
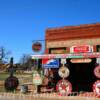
{"points": [[36, 46], [84, 60], [81, 49], [96, 87], [98, 61], [63, 61], [97, 71], [50, 63], [37, 80], [63, 72], [63, 87]]}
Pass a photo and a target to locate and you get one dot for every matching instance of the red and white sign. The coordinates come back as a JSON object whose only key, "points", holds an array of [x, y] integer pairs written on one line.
{"points": [[50, 63], [81, 49], [97, 71], [96, 87], [63, 87]]}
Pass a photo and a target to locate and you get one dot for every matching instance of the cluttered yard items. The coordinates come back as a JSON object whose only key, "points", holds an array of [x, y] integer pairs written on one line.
{"points": [[11, 83]]}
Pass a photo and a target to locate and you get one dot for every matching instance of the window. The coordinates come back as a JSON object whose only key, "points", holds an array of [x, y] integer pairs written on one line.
{"points": [[98, 48]]}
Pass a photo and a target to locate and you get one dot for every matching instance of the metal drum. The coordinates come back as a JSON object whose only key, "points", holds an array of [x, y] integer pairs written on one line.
{"points": [[11, 83]]}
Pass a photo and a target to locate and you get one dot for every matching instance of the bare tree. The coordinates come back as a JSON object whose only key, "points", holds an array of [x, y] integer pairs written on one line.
{"points": [[26, 61], [3, 55]]}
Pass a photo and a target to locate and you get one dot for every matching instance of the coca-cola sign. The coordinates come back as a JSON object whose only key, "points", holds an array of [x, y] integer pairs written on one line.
{"points": [[63, 87], [81, 49]]}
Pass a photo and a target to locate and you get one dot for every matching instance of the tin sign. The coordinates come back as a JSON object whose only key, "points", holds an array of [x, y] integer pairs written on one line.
{"points": [[37, 80], [81, 49], [97, 71], [36, 46], [96, 87], [64, 87], [50, 63], [63, 61], [78, 60]]}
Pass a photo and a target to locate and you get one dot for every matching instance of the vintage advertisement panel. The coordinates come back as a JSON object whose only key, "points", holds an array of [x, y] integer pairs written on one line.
{"points": [[50, 63], [37, 80], [97, 71], [96, 87], [63, 87], [81, 49], [63, 72]]}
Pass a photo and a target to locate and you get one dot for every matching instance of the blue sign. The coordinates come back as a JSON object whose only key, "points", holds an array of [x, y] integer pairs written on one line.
{"points": [[50, 63]]}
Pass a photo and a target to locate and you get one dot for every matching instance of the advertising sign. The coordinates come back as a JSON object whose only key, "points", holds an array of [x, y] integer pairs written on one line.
{"points": [[36, 46], [63, 61], [58, 51], [96, 87], [37, 80], [81, 49], [50, 63], [64, 87], [63, 72], [97, 71], [84, 60]]}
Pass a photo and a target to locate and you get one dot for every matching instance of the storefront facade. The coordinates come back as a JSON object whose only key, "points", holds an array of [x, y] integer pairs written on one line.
{"points": [[76, 39], [66, 37], [80, 47]]}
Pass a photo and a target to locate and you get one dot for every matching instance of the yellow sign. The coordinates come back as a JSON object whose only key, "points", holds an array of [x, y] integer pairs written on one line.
{"points": [[84, 60]]}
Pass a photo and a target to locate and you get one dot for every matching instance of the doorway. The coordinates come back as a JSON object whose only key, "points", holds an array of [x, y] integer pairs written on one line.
{"points": [[81, 75]]}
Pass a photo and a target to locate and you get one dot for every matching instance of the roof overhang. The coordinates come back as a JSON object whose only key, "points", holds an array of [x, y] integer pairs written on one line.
{"points": [[71, 55]]}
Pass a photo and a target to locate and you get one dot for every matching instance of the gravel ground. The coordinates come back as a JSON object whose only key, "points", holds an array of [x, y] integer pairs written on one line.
{"points": [[10, 96]]}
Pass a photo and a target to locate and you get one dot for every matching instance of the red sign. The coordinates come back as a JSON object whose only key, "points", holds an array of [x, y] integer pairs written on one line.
{"points": [[81, 49], [36, 46], [64, 87]]}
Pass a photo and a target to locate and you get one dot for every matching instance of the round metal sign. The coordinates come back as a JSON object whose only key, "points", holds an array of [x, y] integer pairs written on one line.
{"points": [[36, 46], [96, 87], [63, 72], [63, 87], [97, 71]]}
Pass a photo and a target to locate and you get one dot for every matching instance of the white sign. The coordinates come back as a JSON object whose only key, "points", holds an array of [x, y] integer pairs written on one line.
{"points": [[63, 61], [37, 80]]}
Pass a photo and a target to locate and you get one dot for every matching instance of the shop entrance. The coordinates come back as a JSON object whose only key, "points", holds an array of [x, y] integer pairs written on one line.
{"points": [[81, 75]]}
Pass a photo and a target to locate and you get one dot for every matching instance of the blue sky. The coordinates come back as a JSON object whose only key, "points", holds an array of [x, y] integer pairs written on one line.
{"points": [[22, 21]]}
